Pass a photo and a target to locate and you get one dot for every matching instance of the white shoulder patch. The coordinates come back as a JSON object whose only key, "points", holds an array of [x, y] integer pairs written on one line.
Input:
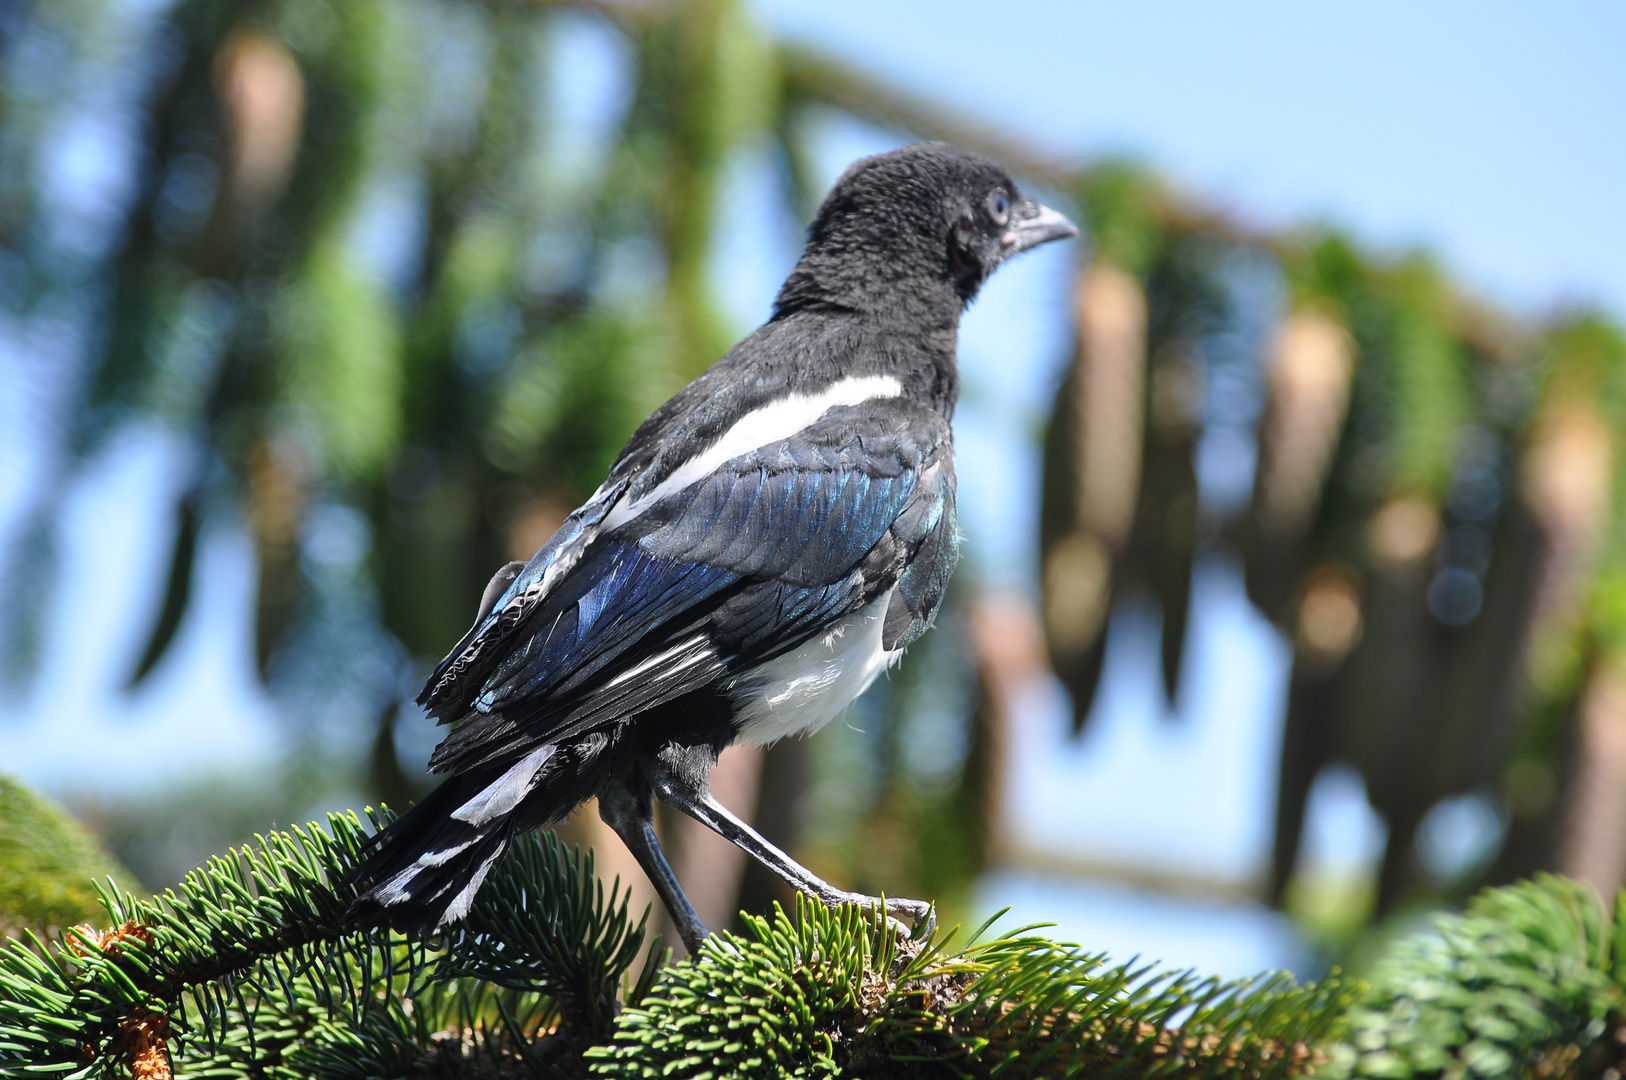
{"points": [[771, 423]]}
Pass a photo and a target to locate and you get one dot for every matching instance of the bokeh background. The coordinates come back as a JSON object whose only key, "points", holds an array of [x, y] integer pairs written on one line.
{"points": [[1293, 603]]}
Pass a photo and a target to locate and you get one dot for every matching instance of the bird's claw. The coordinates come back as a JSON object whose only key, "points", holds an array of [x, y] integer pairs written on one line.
{"points": [[907, 919], [922, 915]]}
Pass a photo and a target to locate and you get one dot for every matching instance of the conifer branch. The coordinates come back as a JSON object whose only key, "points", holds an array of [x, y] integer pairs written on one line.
{"points": [[830, 990], [250, 955], [246, 970]]}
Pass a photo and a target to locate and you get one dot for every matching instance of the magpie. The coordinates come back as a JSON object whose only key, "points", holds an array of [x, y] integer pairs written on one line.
{"points": [[768, 542]]}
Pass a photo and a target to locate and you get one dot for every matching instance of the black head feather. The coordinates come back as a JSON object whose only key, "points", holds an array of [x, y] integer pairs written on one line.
{"points": [[916, 232]]}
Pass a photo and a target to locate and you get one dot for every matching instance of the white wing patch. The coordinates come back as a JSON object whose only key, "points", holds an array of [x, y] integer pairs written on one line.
{"points": [[697, 643], [806, 688], [505, 792], [772, 423]]}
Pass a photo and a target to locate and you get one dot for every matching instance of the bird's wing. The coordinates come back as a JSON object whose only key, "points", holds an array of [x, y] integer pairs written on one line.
{"points": [[751, 559], [452, 685], [927, 541]]}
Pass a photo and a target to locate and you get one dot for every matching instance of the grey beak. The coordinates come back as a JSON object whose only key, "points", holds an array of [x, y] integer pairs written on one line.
{"points": [[1033, 224]]}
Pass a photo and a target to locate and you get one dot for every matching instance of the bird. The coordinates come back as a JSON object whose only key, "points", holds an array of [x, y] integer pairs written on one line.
{"points": [[767, 543]]}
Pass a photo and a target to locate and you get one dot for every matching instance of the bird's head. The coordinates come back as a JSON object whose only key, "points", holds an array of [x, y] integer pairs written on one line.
{"points": [[927, 214]]}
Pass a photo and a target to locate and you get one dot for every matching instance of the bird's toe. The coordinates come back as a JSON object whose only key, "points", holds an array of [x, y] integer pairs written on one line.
{"points": [[921, 914], [907, 919]]}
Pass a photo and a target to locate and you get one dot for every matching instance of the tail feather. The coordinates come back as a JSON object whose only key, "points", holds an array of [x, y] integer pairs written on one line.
{"points": [[427, 865]]}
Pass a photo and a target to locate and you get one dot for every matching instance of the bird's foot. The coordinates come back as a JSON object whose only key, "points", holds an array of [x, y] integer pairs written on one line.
{"points": [[907, 919]]}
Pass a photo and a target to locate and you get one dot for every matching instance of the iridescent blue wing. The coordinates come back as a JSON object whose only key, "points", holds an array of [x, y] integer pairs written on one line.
{"points": [[746, 562]]}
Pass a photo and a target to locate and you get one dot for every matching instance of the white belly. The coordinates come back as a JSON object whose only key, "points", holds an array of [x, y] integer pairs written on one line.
{"points": [[806, 688]]}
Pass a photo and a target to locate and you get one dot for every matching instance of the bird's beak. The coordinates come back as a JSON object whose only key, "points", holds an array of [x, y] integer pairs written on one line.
{"points": [[1033, 224]]}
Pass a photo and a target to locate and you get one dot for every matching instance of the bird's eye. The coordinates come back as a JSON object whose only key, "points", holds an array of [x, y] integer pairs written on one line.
{"points": [[999, 207]]}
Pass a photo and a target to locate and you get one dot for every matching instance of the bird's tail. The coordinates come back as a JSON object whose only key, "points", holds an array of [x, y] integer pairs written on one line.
{"points": [[428, 864]]}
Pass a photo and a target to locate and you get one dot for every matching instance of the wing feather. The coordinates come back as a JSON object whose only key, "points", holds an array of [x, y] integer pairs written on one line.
{"points": [[751, 560]]}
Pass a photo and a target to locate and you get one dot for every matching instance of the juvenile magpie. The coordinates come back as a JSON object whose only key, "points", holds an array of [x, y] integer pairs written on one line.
{"points": [[768, 542]]}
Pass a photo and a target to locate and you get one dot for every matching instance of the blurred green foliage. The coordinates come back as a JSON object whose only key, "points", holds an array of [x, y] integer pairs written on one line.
{"points": [[49, 864]]}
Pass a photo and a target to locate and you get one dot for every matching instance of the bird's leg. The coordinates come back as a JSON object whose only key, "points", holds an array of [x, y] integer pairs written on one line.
{"points": [[633, 820], [699, 804]]}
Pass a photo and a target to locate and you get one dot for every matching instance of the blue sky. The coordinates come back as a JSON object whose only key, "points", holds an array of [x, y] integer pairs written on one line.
{"points": [[1494, 133]]}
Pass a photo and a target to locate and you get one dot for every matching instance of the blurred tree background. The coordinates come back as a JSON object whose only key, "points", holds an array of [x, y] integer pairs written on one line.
{"points": [[401, 278]]}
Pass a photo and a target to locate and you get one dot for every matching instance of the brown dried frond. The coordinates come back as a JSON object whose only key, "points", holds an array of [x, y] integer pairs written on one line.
{"points": [[107, 941], [144, 1034]]}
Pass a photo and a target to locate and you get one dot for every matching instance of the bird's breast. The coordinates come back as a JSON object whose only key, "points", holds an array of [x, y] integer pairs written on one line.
{"points": [[800, 691]]}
